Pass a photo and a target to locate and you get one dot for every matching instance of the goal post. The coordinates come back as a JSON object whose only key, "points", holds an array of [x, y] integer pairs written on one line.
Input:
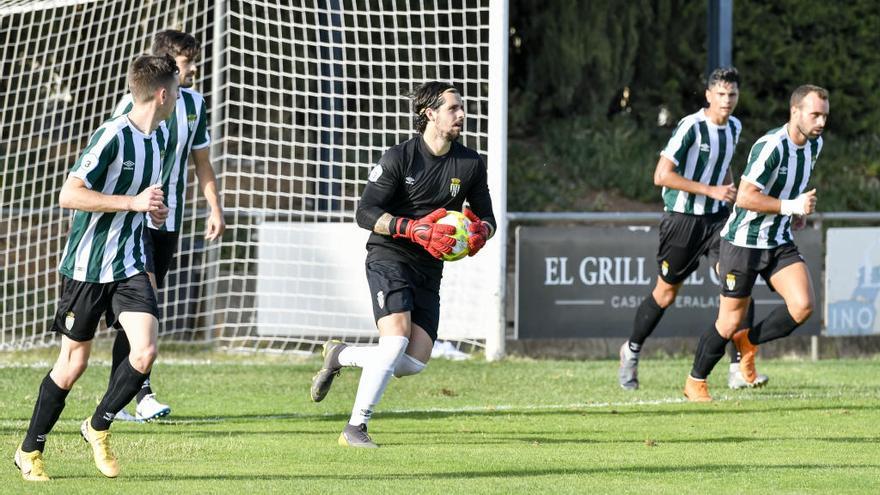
{"points": [[304, 97]]}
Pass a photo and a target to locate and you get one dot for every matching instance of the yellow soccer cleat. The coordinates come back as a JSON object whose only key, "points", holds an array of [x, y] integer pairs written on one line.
{"points": [[100, 442], [696, 390], [31, 465]]}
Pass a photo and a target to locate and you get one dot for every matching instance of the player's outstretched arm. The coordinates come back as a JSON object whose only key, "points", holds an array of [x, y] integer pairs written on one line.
{"points": [[77, 196], [215, 225], [751, 198]]}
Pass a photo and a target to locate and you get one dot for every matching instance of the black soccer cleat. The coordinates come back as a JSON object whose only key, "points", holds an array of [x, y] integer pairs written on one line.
{"points": [[322, 380]]}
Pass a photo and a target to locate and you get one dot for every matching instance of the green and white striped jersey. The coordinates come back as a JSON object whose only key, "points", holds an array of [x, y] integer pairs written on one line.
{"points": [[701, 152], [188, 129], [119, 160], [781, 169]]}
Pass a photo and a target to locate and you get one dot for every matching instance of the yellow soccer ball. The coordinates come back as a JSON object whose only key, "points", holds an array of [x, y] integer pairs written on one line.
{"points": [[461, 223]]}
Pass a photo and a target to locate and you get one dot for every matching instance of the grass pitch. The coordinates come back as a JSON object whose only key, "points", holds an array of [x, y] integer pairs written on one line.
{"points": [[245, 425]]}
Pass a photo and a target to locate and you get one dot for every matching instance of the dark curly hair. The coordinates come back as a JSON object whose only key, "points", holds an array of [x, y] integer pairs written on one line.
{"points": [[425, 96], [176, 43], [723, 75]]}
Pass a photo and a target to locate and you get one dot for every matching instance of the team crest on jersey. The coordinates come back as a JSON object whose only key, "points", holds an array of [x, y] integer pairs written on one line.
{"points": [[191, 121], [730, 281], [128, 165], [380, 299], [69, 319], [454, 186], [664, 267], [375, 173]]}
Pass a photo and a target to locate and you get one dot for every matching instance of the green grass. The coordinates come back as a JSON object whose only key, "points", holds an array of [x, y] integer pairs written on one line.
{"points": [[244, 425]]}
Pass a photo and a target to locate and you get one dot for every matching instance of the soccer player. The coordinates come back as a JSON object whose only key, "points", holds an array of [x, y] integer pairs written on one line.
{"points": [[188, 128], [115, 180], [757, 238], [409, 190], [694, 172]]}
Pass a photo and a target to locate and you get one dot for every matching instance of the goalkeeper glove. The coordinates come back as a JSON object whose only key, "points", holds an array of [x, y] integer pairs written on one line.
{"points": [[478, 232], [426, 232]]}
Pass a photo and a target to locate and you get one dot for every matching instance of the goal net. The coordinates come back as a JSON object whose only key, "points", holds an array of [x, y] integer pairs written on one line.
{"points": [[304, 97]]}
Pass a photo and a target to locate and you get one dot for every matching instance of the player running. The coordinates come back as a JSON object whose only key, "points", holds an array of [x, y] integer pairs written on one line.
{"points": [[757, 239], [410, 188]]}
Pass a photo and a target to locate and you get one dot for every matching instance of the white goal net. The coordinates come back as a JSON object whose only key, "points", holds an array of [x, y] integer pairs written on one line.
{"points": [[304, 96]]}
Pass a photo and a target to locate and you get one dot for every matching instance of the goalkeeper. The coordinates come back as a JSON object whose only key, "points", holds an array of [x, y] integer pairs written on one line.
{"points": [[410, 188]]}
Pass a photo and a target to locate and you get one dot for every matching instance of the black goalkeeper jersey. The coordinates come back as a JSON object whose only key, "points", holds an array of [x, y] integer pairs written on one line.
{"points": [[411, 182]]}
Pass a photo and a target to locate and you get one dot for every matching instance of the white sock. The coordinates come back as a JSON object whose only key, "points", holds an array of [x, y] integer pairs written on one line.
{"points": [[356, 355], [408, 365], [377, 371]]}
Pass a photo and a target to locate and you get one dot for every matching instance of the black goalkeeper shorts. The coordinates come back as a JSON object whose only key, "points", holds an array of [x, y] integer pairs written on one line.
{"points": [[397, 287]]}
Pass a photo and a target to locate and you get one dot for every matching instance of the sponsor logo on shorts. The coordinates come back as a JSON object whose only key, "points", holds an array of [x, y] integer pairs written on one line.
{"points": [[730, 281], [69, 319], [454, 186], [664, 267], [380, 299]]}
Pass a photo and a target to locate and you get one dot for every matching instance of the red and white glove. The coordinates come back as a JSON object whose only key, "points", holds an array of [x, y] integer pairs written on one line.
{"points": [[435, 238], [479, 232]]}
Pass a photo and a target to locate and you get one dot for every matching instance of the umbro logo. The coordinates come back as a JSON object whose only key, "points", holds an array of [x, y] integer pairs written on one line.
{"points": [[128, 165], [410, 181], [783, 170], [704, 147]]}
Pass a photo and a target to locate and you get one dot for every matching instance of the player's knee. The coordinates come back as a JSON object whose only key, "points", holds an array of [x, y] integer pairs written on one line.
{"points": [[407, 366], [727, 326], [142, 358], [800, 310], [664, 296], [67, 373]]}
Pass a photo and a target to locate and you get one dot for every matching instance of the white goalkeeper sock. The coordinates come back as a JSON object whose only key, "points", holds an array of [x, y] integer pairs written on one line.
{"points": [[356, 355], [377, 371]]}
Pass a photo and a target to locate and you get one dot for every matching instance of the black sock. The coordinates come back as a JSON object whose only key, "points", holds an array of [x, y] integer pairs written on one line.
{"points": [[647, 317], [778, 324], [710, 350], [145, 389], [121, 350], [50, 403], [734, 354], [124, 384], [749, 320]]}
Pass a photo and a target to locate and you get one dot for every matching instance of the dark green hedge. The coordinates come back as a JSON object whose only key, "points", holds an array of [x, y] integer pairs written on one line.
{"points": [[588, 80]]}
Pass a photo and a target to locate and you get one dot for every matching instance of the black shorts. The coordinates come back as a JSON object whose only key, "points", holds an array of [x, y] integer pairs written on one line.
{"points": [[684, 239], [739, 267], [159, 249], [397, 287], [82, 303]]}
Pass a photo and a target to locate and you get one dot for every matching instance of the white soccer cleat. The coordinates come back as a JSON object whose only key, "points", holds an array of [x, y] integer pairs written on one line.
{"points": [[124, 415], [149, 409], [736, 381]]}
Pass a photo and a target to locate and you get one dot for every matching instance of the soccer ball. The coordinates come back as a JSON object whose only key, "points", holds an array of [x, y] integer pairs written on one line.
{"points": [[461, 223]]}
